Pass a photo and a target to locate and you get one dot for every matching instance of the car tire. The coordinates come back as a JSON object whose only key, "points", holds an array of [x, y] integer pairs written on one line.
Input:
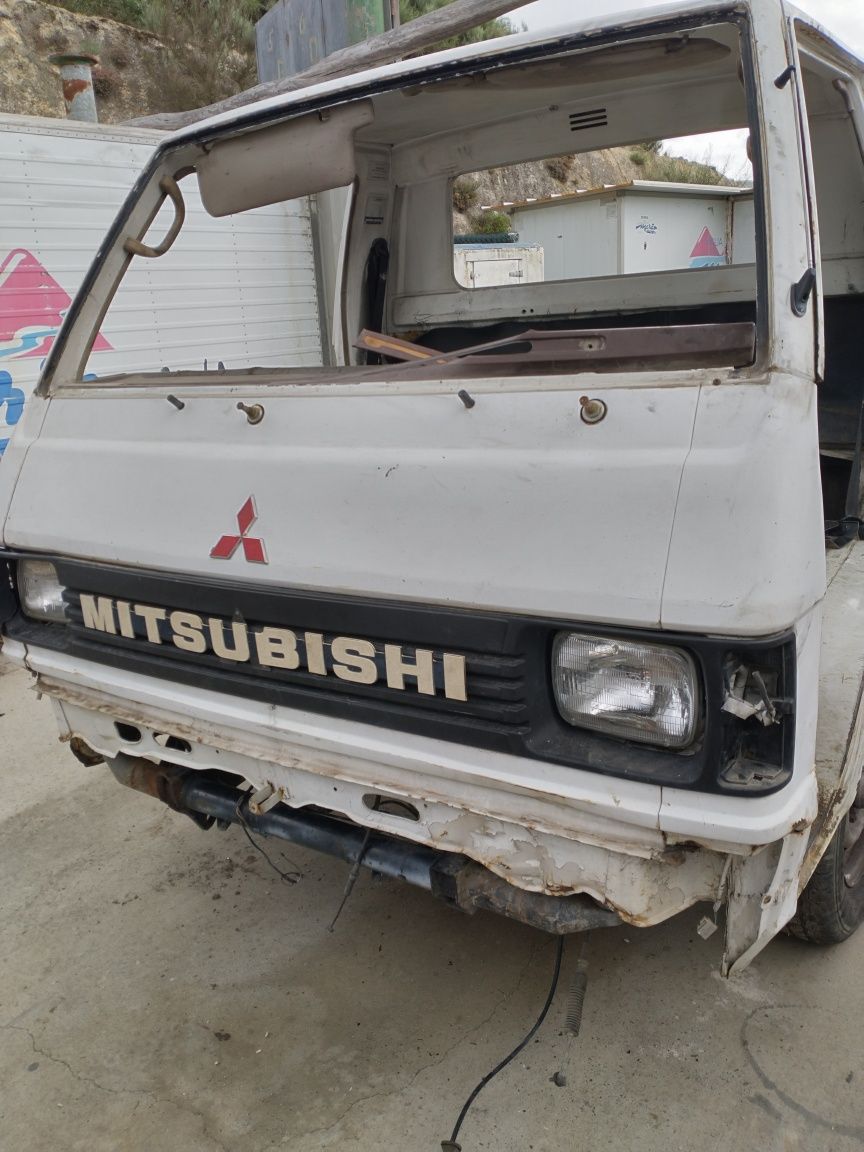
{"points": [[830, 908]]}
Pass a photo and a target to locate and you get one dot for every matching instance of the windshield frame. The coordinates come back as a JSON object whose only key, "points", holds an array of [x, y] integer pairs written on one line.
{"points": [[175, 158]]}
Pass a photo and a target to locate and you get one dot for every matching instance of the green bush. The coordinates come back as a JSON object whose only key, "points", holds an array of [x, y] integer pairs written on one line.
{"points": [[411, 9], [491, 223], [212, 49]]}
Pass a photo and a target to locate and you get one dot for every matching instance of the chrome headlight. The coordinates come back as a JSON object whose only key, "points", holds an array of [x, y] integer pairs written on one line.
{"points": [[40, 591], [643, 692]]}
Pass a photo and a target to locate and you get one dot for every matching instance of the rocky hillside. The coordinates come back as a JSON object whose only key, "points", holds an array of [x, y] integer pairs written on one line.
{"points": [[138, 75], [127, 81], [560, 176]]}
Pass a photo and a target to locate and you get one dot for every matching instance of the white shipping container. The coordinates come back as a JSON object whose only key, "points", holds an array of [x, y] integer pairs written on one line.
{"points": [[578, 238], [61, 184], [679, 230], [639, 227]]}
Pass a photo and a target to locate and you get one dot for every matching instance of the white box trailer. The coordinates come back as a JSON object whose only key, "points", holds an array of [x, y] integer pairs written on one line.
{"points": [[641, 226], [239, 291]]}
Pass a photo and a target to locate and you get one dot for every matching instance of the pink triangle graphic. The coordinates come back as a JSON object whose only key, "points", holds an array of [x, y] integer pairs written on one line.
{"points": [[705, 246], [32, 307]]}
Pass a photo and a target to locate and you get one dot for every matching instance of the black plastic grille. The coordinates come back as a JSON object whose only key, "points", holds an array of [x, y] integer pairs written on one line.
{"points": [[495, 680], [510, 706]]}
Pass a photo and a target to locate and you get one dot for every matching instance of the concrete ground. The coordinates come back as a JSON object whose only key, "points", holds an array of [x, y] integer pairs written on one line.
{"points": [[162, 989]]}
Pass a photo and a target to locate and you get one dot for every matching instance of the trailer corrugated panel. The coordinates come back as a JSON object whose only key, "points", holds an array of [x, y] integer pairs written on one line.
{"points": [[240, 290], [61, 185]]}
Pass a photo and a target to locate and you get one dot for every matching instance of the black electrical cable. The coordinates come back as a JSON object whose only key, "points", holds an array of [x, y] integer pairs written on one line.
{"points": [[287, 877], [352, 878], [355, 870], [451, 1145]]}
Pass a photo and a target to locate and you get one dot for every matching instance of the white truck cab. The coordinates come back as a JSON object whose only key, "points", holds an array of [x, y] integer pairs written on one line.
{"points": [[530, 578]]}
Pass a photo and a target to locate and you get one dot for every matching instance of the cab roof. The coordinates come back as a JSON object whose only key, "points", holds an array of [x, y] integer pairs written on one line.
{"points": [[501, 51]]}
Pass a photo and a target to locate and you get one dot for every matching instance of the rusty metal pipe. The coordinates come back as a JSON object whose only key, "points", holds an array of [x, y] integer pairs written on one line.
{"points": [[411, 862], [76, 76], [161, 781], [447, 875], [186, 790], [478, 888]]}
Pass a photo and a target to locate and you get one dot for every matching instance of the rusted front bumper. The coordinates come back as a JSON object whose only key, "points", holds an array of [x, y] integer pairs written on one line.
{"points": [[547, 832], [447, 875]]}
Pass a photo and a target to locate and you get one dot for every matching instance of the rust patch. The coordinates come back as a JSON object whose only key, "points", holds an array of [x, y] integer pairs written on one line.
{"points": [[634, 919], [73, 88], [147, 776], [82, 752]]}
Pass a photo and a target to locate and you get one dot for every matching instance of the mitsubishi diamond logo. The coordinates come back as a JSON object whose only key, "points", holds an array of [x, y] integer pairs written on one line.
{"points": [[253, 547]]}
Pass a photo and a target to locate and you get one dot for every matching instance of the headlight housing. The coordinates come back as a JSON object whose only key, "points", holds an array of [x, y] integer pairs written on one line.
{"points": [[40, 591], [643, 692]]}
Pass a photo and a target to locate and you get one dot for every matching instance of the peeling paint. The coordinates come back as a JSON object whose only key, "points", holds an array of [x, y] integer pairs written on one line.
{"points": [[638, 885]]}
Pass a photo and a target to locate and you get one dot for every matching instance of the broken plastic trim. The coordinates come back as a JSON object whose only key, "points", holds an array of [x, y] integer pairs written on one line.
{"points": [[802, 290], [760, 697], [748, 697]]}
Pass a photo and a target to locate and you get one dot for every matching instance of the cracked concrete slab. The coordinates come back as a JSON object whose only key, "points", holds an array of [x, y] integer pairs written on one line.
{"points": [[160, 987]]}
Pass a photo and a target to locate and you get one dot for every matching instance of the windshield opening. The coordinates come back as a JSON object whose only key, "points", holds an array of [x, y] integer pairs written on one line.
{"points": [[592, 209]]}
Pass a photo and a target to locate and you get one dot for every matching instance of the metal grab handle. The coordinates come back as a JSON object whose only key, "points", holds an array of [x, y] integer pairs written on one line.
{"points": [[171, 189]]}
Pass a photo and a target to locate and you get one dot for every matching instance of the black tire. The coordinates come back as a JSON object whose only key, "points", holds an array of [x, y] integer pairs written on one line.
{"points": [[829, 910]]}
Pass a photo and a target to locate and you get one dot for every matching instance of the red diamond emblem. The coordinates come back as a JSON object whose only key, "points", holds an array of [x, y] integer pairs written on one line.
{"points": [[253, 547]]}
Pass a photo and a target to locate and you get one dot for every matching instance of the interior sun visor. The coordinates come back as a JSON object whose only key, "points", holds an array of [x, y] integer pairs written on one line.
{"points": [[296, 158]]}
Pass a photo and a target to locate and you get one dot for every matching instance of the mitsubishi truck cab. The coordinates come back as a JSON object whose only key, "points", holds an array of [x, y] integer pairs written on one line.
{"points": [[542, 594]]}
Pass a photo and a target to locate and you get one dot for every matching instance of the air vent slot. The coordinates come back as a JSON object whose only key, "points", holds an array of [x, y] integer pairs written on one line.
{"points": [[596, 118]]}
